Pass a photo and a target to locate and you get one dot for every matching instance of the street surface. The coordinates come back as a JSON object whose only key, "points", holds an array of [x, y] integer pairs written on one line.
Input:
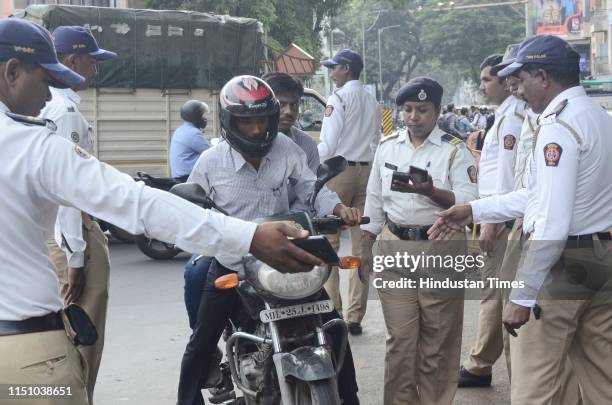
{"points": [[147, 331]]}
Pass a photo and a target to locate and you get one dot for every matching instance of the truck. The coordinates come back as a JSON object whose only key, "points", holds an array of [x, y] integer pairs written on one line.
{"points": [[164, 59]]}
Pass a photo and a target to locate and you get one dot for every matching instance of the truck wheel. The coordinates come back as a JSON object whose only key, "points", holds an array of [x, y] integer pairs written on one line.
{"points": [[156, 249]]}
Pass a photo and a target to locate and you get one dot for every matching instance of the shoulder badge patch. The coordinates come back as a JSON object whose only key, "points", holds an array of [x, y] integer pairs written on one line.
{"points": [[75, 137], [453, 140], [552, 154], [71, 109], [82, 153], [509, 142], [329, 110], [472, 172]]}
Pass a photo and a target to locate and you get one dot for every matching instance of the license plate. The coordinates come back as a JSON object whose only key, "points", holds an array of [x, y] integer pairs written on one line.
{"points": [[295, 311]]}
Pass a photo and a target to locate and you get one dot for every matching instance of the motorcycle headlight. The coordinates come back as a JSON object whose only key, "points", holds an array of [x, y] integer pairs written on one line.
{"points": [[289, 286]]}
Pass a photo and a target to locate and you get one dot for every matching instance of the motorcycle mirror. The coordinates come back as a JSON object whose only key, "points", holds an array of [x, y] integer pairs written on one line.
{"points": [[191, 192], [325, 172], [330, 169]]}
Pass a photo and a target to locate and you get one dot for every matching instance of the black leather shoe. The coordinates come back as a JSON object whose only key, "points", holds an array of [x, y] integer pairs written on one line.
{"points": [[355, 328], [467, 379]]}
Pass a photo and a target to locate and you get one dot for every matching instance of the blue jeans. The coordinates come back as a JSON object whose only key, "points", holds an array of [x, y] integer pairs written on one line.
{"points": [[195, 280]]}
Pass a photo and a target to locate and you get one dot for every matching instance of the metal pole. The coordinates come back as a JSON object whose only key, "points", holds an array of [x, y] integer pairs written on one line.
{"points": [[379, 67], [363, 48]]}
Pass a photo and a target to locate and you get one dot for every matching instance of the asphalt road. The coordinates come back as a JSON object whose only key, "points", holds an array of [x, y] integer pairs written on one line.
{"points": [[147, 331]]}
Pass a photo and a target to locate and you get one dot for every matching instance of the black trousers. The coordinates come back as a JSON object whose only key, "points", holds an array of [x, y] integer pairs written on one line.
{"points": [[216, 308]]}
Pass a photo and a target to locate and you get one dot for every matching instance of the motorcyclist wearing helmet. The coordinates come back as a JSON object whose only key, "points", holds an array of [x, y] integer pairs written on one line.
{"points": [[247, 174], [188, 141]]}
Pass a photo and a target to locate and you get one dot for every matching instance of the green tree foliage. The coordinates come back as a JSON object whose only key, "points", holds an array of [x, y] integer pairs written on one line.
{"points": [[286, 21], [448, 45]]}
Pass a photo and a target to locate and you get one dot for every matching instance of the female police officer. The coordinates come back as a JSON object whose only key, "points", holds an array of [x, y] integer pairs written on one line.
{"points": [[423, 325]]}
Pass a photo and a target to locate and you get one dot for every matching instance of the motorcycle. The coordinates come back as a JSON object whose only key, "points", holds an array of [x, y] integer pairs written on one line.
{"points": [[119, 234], [277, 349], [154, 248]]}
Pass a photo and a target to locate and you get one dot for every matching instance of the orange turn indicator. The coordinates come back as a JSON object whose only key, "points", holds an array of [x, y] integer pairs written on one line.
{"points": [[350, 262], [227, 282]]}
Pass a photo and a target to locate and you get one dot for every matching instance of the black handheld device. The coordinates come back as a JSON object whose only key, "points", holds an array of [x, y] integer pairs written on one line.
{"points": [[319, 246]]}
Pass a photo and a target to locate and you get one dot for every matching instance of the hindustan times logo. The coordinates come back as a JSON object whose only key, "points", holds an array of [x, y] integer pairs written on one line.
{"points": [[411, 262]]}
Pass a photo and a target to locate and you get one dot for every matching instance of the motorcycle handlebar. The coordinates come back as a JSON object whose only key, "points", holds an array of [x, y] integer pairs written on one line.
{"points": [[331, 224]]}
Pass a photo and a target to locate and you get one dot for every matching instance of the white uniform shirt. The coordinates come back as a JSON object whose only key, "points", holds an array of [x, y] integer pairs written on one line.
{"points": [[496, 168], [351, 125], [245, 193], [569, 191], [63, 110], [42, 171], [451, 166], [523, 149]]}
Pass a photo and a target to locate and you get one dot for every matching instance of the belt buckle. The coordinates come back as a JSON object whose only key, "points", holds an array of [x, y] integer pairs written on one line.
{"points": [[412, 233]]}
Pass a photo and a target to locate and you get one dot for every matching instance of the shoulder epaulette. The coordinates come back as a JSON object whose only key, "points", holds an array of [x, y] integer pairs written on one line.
{"points": [[453, 140], [552, 117], [519, 116], [336, 93], [386, 138], [29, 120]]}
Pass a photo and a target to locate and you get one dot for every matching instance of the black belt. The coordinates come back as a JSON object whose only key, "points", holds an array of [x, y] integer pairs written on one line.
{"points": [[409, 232], [585, 241], [510, 224], [52, 321], [582, 241], [351, 163]]}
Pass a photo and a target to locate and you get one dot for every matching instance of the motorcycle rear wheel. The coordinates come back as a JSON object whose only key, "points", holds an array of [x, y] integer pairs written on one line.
{"points": [[156, 249], [322, 392], [120, 234]]}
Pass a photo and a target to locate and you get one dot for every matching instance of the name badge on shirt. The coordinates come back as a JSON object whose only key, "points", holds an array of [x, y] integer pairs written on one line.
{"points": [[390, 166]]}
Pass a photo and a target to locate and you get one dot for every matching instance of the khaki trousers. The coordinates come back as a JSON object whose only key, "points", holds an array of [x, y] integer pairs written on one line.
{"points": [[350, 185], [94, 299], [423, 346], [578, 329], [489, 340], [42, 359], [570, 390]]}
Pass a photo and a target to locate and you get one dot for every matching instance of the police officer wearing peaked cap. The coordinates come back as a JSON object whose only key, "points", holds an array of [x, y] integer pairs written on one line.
{"points": [[36, 166], [79, 249], [566, 263], [351, 128], [423, 325]]}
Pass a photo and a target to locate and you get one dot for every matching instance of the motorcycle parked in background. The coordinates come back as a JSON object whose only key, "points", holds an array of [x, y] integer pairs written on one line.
{"points": [[154, 248]]}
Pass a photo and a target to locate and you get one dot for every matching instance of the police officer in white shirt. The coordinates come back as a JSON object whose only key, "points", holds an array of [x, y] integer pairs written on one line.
{"points": [[423, 325], [496, 176], [351, 128], [84, 281], [570, 390], [565, 268], [41, 171]]}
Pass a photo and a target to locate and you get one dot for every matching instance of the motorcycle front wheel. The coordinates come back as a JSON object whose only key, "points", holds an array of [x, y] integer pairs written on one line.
{"points": [[156, 249], [322, 392]]}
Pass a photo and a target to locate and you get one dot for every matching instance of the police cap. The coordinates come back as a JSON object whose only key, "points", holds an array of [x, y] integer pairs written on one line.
{"points": [[420, 89], [543, 50], [31, 43]]}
